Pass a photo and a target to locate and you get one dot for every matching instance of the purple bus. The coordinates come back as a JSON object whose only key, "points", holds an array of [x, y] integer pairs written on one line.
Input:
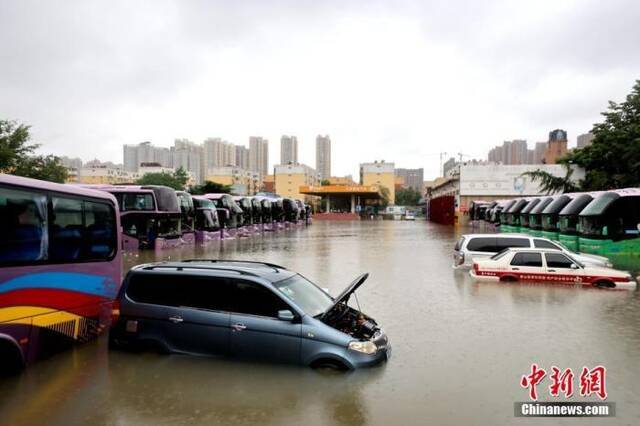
{"points": [[188, 223], [60, 267], [150, 215], [207, 225]]}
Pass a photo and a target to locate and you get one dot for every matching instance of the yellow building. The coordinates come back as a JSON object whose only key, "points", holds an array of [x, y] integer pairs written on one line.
{"points": [[339, 180], [290, 177], [243, 182], [105, 176], [381, 174]]}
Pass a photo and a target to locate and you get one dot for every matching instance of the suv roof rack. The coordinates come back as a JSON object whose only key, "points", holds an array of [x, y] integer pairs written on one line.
{"points": [[271, 265], [200, 267]]}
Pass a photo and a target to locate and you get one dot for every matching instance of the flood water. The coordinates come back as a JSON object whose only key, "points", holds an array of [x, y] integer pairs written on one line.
{"points": [[459, 348]]}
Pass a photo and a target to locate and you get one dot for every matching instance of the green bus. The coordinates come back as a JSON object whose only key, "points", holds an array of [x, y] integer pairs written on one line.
{"points": [[610, 226], [535, 216], [511, 219], [549, 218], [568, 222], [524, 215]]}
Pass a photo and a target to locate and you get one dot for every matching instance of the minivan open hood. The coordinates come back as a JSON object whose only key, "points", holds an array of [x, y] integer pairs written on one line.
{"points": [[347, 292]]}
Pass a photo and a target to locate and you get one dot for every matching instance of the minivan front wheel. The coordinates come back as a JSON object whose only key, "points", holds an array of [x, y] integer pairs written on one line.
{"points": [[328, 364]]}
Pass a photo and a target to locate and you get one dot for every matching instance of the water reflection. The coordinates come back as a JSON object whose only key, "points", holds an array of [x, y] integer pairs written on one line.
{"points": [[459, 346]]}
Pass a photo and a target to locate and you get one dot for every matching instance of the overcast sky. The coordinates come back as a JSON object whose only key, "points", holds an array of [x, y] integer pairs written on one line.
{"points": [[395, 80]]}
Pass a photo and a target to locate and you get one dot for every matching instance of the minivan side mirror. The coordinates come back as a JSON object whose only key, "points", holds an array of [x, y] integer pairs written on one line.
{"points": [[286, 315]]}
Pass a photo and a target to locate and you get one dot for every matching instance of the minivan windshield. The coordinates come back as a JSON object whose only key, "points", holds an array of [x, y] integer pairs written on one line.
{"points": [[312, 300]]}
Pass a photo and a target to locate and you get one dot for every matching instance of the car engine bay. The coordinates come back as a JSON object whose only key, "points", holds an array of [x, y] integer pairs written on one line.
{"points": [[351, 321]]}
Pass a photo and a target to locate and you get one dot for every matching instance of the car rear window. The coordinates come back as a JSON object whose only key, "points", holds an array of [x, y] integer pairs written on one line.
{"points": [[527, 259]]}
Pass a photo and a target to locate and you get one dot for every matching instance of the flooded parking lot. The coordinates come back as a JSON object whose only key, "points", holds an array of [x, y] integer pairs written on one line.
{"points": [[460, 348]]}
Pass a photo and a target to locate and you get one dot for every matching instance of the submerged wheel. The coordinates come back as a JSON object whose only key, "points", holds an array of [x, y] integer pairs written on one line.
{"points": [[508, 279], [11, 357], [604, 284], [328, 364]]}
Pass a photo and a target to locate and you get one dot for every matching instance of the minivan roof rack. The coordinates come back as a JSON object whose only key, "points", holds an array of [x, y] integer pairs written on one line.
{"points": [[200, 267], [272, 265]]}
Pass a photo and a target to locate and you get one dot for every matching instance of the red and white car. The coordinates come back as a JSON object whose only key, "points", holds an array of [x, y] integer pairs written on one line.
{"points": [[544, 265]]}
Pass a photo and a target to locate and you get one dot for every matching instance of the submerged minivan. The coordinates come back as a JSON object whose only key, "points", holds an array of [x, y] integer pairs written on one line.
{"points": [[480, 246], [243, 309]]}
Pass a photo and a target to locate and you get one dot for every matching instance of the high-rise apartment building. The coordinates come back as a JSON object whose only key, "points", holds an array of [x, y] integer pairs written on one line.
{"points": [[413, 178], [242, 157], [259, 155], [585, 140], [288, 150], [323, 156], [145, 152], [218, 153], [517, 152], [189, 156]]}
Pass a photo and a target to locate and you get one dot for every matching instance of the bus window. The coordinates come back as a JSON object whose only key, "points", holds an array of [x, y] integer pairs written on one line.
{"points": [[22, 226], [101, 237], [66, 230]]}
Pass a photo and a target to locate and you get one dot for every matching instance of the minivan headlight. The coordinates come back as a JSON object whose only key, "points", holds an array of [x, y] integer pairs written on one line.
{"points": [[367, 347]]}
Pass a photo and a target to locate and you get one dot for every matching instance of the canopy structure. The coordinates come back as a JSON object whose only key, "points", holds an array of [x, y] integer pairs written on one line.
{"points": [[343, 197]]}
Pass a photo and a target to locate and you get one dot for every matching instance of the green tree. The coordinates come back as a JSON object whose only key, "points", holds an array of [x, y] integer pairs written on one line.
{"points": [[325, 182], [551, 184], [408, 197], [210, 187], [176, 180], [613, 159], [17, 155]]}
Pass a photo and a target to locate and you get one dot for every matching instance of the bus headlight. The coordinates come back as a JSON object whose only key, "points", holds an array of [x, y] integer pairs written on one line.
{"points": [[367, 347]]}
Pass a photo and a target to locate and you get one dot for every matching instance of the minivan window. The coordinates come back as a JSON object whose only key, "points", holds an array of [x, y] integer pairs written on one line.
{"points": [[527, 259], [545, 245], [312, 300], [254, 299], [503, 243], [485, 244], [557, 260]]}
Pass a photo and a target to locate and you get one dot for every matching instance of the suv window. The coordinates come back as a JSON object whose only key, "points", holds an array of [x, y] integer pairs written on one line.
{"points": [[254, 299], [557, 260], [527, 259], [486, 244], [503, 243], [545, 244]]}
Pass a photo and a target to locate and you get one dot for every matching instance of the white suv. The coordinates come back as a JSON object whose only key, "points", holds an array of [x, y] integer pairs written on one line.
{"points": [[480, 246]]}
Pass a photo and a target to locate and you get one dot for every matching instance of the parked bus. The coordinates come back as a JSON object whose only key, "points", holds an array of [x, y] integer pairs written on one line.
{"points": [[610, 225], [150, 215], [60, 267], [568, 219], [510, 218], [188, 217], [549, 219], [535, 216], [523, 216], [207, 224]]}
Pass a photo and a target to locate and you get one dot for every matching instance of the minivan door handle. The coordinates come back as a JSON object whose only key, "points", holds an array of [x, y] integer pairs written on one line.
{"points": [[238, 327], [176, 319]]}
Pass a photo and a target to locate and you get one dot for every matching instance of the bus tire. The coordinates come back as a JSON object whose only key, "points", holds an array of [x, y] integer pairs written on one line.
{"points": [[11, 356]]}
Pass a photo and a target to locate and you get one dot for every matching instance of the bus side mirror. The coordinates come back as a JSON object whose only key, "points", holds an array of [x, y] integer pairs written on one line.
{"points": [[605, 230]]}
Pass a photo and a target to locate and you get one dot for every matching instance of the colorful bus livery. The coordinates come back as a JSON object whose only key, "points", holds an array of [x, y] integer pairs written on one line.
{"points": [[60, 267]]}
